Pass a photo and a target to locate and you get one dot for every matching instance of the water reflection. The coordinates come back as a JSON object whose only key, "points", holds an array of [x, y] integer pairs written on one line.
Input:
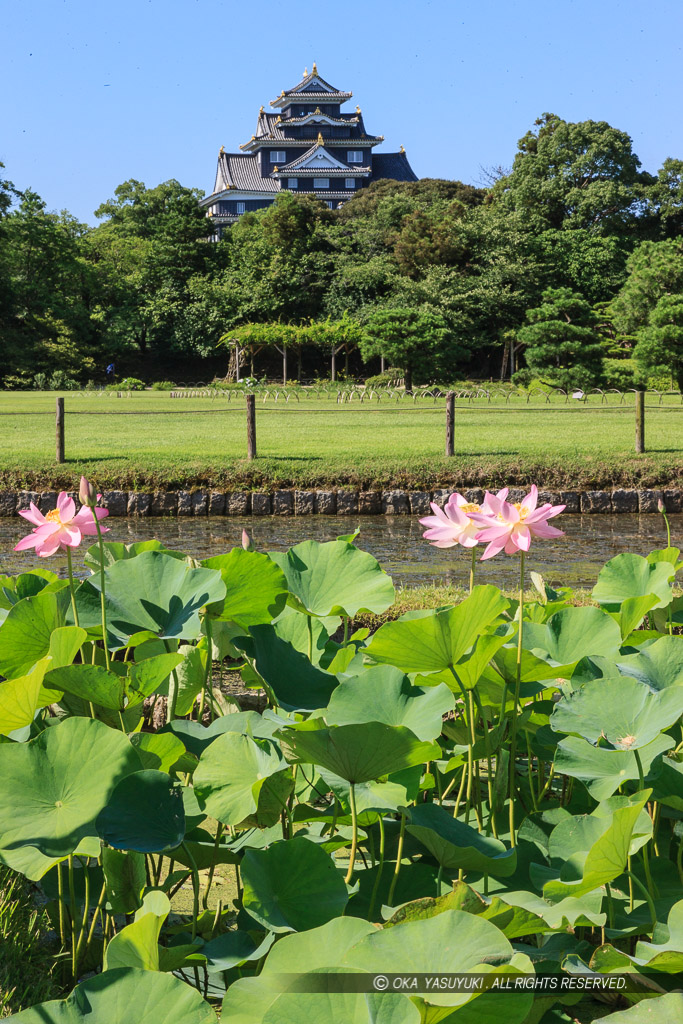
{"points": [[395, 540]]}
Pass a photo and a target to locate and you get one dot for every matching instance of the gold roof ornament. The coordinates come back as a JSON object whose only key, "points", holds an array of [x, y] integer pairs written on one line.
{"points": [[358, 110], [261, 110], [305, 72], [315, 69], [221, 151], [317, 110], [275, 170], [402, 149], [320, 138]]}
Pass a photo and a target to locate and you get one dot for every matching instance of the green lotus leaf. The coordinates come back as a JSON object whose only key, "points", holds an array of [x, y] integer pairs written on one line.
{"points": [[108, 998], [334, 579], [61, 780], [660, 664], [601, 770], [472, 666], [456, 845], [196, 737], [191, 676], [27, 584], [619, 710], [255, 588], [340, 1008], [632, 612], [298, 684], [437, 641], [124, 877], [232, 774], [234, 948], [575, 836], [137, 945], [452, 942], [25, 634], [653, 954], [150, 675], [359, 752], [304, 632], [292, 886], [20, 698], [158, 750], [65, 642], [627, 576], [570, 912], [386, 794], [571, 634], [658, 1010], [606, 857], [144, 813], [667, 782], [92, 683], [154, 592], [384, 694], [33, 864]]}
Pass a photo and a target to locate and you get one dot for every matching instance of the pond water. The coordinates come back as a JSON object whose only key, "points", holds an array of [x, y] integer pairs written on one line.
{"points": [[396, 541]]}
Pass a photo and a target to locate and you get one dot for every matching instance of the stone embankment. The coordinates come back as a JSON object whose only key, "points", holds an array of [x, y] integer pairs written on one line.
{"points": [[340, 502]]}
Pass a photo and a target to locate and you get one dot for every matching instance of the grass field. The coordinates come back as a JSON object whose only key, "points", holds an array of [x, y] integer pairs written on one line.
{"points": [[151, 440]]}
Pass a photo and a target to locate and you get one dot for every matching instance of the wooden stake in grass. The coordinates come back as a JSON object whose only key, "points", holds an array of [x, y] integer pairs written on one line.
{"points": [[59, 430], [640, 422], [251, 427], [450, 423]]}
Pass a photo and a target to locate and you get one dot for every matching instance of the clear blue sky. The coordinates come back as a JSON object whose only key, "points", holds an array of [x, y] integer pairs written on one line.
{"points": [[95, 93]]}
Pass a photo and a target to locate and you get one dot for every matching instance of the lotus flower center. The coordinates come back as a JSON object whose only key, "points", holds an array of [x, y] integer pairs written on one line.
{"points": [[53, 516], [522, 509], [469, 507]]}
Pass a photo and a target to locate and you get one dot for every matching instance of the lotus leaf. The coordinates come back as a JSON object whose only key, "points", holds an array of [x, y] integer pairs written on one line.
{"points": [[108, 998], [603, 770], [154, 592], [61, 780], [20, 698], [384, 694], [137, 945], [456, 845], [124, 877], [606, 857], [619, 710], [232, 774], [334, 579], [92, 683], [144, 813], [26, 632], [255, 588], [158, 750], [359, 752], [660, 664], [437, 640], [298, 685], [292, 886], [629, 576], [658, 1010], [572, 633]]}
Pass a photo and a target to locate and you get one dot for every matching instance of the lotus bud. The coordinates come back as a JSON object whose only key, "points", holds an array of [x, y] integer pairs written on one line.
{"points": [[660, 506], [247, 542], [87, 493]]}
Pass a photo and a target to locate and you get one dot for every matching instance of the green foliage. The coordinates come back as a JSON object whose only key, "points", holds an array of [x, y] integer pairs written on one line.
{"points": [[661, 342], [414, 800], [561, 340]]}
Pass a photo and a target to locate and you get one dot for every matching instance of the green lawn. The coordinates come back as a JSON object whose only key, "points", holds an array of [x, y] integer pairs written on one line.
{"points": [[150, 439]]}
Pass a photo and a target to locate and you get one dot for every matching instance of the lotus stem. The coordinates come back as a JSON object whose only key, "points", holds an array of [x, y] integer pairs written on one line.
{"points": [[399, 858], [461, 788], [209, 667], [173, 687], [72, 914], [354, 837], [72, 588], [309, 623], [209, 881], [60, 897], [195, 890], [515, 709], [648, 897], [103, 601], [473, 566], [346, 631], [380, 867], [96, 912]]}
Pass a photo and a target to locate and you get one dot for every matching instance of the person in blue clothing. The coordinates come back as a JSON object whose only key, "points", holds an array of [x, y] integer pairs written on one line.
{"points": [[111, 370]]}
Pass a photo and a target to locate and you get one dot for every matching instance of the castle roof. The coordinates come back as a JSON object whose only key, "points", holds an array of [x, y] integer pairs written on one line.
{"points": [[241, 171], [392, 165], [311, 87]]}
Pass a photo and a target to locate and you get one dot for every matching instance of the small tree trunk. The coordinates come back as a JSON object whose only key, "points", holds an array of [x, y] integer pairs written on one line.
{"points": [[408, 378]]}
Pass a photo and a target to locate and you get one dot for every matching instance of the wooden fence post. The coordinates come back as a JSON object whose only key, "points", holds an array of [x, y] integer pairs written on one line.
{"points": [[450, 423], [640, 421], [59, 429], [251, 427]]}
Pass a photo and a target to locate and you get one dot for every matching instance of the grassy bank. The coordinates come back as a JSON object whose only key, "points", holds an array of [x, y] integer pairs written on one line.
{"points": [[149, 441]]}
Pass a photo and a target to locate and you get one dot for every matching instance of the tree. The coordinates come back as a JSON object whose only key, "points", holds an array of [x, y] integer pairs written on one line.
{"points": [[416, 340], [561, 339], [654, 269], [661, 342], [575, 175]]}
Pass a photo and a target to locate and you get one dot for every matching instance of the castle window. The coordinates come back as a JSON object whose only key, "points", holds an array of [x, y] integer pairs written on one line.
{"points": [[241, 207], [350, 183], [354, 156], [278, 156], [321, 183], [330, 203], [292, 182]]}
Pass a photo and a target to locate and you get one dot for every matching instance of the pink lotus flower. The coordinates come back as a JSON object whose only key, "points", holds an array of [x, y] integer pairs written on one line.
{"points": [[510, 527], [452, 525], [61, 528]]}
